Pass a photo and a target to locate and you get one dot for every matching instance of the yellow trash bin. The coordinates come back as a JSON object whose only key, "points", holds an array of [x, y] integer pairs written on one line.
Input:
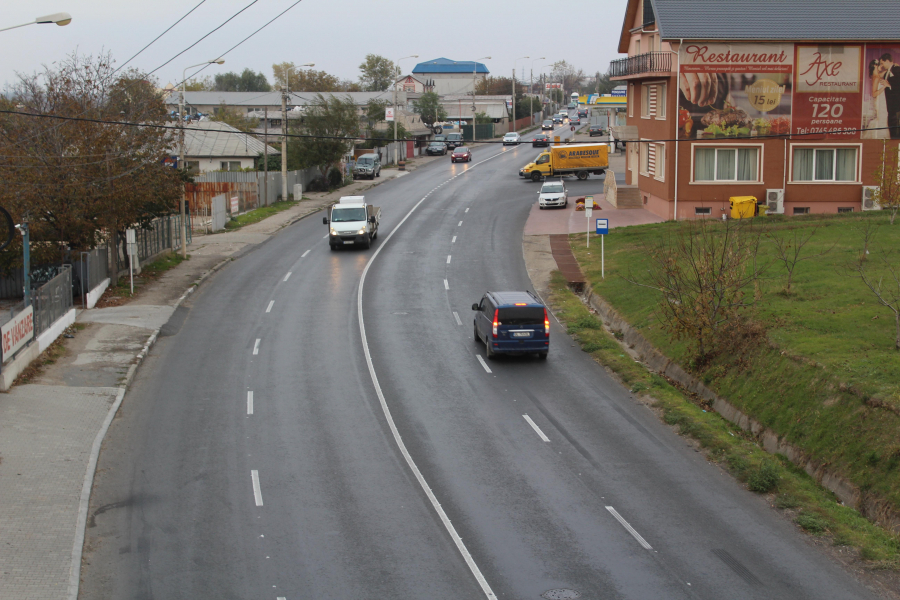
{"points": [[742, 207]]}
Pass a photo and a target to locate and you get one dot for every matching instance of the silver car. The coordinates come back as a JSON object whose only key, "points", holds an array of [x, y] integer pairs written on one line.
{"points": [[367, 165], [512, 138], [553, 193]]}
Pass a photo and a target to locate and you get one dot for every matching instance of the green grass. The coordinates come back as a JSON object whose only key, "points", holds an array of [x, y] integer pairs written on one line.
{"points": [[149, 272], [258, 214], [814, 508]]}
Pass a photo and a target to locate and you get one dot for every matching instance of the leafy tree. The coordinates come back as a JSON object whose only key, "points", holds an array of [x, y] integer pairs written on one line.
{"points": [[599, 84], [481, 118], [377, 73], [375, 111], [246, 81], [348, 85], [235, 118], [328, 122], [430, 108], [199, 84], [305, 80], [494, 86], [79, 181], [382, 137], [887, 177]]}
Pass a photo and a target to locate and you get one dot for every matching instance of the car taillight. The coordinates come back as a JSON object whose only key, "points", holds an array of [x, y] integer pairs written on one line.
{"points": [[497, 314], [546, 324]]}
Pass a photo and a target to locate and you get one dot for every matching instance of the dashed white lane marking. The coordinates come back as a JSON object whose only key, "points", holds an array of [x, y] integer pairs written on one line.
{"points": [[536, 428], [459, 224], [256, 346], [280, 598], [483, 364], [456, 316], [630, 529], [326, 237], [453, 241], [257, 493], [448, 259], [467, 210], [304, 254], [271, 304], [286, 277], [249, 403], [446, 285]]}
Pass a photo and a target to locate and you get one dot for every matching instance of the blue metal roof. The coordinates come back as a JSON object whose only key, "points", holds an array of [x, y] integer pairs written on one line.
{"points": [[445, 65]]}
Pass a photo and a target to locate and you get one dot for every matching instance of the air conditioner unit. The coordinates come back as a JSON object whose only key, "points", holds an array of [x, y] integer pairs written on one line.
{"points": [[775, 202], [868, 198]]}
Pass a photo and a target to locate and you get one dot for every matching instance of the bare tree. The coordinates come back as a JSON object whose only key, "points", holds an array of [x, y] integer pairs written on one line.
{"points": [[888, 178], [882, 277], [789, 250], [704, 272]]}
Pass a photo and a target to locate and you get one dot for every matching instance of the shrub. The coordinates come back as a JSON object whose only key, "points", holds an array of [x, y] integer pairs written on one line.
{"points": [[764, 478], [812, 523], [786, 501], [335, 178]]}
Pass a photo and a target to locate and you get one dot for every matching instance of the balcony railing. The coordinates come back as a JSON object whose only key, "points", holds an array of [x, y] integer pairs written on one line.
{"points": [[649, 62]]}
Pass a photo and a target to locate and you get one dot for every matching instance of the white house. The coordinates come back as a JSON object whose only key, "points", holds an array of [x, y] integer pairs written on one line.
{"points": [[217, 146]]}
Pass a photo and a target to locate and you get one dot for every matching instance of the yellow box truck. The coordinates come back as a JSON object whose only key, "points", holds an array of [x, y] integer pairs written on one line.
{"points": [[576, 159]]}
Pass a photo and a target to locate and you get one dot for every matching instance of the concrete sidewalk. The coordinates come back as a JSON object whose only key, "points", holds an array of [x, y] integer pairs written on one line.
{"points": [[51, 428]]}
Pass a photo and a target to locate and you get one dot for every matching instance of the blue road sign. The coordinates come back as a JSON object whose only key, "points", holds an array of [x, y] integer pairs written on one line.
{"points": [[602, 226]]}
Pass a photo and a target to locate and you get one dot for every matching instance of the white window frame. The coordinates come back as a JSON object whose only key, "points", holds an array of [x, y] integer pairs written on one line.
{"points": [[644, 158], [630, 99], [660, 170], [645, 100], [661, 101], [760, 161], [706, 210], [824, 146]]}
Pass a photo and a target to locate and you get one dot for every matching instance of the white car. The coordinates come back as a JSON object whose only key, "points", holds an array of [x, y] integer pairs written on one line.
{"points": [[512, 138], [553, 193]]}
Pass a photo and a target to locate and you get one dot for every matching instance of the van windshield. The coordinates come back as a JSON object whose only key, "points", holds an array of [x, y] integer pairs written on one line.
{"points": [[346, 215], [365, 160], [521, 315]]}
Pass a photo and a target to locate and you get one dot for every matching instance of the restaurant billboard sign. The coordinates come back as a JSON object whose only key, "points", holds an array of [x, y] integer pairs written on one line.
{"points": [[828, 91]]}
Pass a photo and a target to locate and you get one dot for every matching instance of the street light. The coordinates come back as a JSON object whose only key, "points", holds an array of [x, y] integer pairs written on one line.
{"points": [[285, 90], [474, 78], [60, 19], [514, 90], [217, 61], [397, 63], [531, 89]]}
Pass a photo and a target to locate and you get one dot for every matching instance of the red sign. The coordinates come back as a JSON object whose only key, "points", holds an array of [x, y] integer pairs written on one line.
{"points": [[828, 91], [235, 205], [17, 331]]}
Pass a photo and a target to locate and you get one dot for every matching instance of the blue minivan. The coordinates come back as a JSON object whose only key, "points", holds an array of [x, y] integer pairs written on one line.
{"points": [[512, 323]]}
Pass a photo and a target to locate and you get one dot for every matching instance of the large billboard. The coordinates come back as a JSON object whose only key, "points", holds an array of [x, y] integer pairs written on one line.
{"points": [[881, 92], [828, 91], [734, 90]]}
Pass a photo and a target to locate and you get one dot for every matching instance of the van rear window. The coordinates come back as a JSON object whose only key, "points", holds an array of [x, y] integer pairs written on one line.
{"points": [[521, 315]]}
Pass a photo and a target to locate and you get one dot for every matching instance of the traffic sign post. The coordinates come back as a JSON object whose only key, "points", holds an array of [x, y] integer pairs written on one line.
{"points": [[588, 211], [602, 230]]}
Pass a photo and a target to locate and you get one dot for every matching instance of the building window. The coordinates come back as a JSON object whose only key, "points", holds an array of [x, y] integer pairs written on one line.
{"points": [[845, 209], [661, 102], [726, 164], [702, 210], [230, 165], [645, 159], [824, 164], [801, 210], [193, 166], [659, 169]]}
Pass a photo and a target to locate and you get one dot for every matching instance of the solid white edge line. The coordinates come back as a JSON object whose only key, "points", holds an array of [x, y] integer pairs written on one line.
{"points": [[483, 364], [249, 403], [630, 529], [257, 493], [287, 276], [446, 285], [445, 520], [256, 346], [271, 304], [456, 316], [304, 254], [536, 428]]}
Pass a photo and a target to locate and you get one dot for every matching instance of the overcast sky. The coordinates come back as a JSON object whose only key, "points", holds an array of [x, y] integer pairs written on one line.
{"points": [[334, 34]]}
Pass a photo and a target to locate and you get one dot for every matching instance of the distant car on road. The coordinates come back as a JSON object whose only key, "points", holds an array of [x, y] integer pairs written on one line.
{"points": [[461, 154], [575, 120], [512, 323], [367, 165], [454, 140], [434, 148], [558, 118], [548, 124], [596, 130], [541, 139], [553, 193], [512, 138], [582, 112]]}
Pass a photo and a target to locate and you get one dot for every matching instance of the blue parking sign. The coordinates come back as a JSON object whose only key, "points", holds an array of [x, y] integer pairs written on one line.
{"points": [[602, 226]]}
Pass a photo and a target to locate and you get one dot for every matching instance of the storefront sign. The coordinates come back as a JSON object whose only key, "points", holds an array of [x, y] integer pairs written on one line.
{"points": [[16, 332], [734, 90], [828, 91]]}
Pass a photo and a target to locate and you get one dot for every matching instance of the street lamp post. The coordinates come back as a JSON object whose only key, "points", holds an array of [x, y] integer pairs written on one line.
{"points": [[474, 79], [397, 63], [285, 91], [60, 19], [217, 61], [514, 90], [531, 89]]}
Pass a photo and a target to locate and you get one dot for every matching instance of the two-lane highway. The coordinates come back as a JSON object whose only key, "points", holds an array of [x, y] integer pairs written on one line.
{"points": [[324, 425]]}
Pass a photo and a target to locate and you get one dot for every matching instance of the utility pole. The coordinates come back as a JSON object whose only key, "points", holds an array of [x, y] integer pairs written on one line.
{"points": [[183, 185], [266, 157], [284, 190], [514, 99]]}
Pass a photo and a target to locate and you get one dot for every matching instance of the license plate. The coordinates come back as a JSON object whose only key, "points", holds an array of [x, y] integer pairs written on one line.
{"points": [[521, 334], [350, 242]]}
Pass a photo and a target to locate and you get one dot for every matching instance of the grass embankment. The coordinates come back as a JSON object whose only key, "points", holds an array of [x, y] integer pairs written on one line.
{"points": [[116, 294], [830, 353], [258, 214]]}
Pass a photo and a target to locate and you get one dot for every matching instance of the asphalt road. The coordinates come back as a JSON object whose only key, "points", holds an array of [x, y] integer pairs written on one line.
{"points": [[256, 457]]}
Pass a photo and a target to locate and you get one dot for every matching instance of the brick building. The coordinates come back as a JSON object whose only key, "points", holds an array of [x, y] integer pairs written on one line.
{"points": [[791, 102]]}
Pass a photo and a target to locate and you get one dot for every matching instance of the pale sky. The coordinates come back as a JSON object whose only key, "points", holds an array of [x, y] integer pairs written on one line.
{"points": [[334, 34]]}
